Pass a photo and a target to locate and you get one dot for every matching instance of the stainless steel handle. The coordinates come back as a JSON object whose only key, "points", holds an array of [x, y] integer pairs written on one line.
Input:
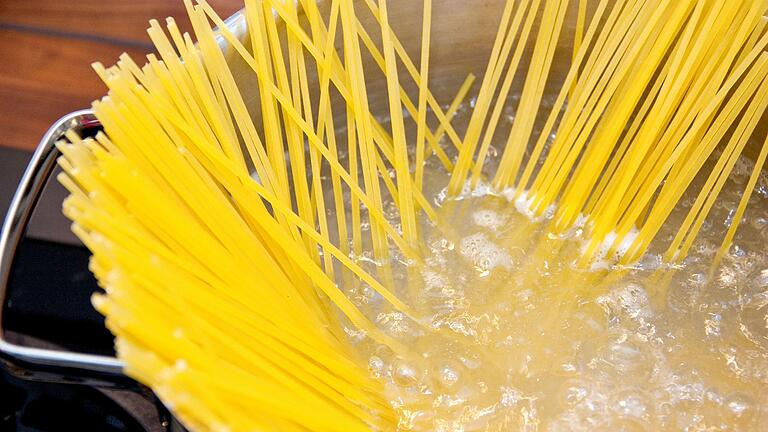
{"points": [[68, 366]]}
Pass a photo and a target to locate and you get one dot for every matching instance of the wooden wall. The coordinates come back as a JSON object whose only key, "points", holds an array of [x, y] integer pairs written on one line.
{"points": [[47, 46]]}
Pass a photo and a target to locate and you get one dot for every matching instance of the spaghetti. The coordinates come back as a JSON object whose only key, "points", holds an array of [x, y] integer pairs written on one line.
{"points": [[253, 226]]}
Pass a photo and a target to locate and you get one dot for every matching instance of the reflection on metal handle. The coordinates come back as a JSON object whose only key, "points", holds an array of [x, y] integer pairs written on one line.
{"points": [[94, 369]]}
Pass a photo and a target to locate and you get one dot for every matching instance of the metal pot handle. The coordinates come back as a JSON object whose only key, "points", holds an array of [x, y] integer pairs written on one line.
{"points": [[41, 363]]}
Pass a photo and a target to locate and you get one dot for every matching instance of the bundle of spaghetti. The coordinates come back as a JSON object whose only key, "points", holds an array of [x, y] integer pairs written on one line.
{"points": [[653, 89], [214, 221], [206, 201]]}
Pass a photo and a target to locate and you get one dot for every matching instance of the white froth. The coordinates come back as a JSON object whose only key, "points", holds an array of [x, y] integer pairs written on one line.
{"points": [[483, 253], [601, 259], [489, 219]]}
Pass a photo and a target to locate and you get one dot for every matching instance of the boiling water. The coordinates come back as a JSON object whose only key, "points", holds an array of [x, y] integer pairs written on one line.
{"points": [[511, 336]]}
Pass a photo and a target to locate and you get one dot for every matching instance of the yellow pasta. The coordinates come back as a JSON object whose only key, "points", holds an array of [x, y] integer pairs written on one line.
{"points": [[233, 237], [421, 120]]}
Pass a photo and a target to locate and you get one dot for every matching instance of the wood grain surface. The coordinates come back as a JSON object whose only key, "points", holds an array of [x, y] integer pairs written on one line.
{"points": [[47, 47]]}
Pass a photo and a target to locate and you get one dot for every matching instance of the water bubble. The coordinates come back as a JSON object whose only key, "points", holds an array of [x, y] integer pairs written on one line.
{"points": [[434, 280], [354, 334], [762, 189], [573, 392], [682, 297], [510, 396], [483, 253], [376, 366], [449, 374], [395, 323], [712, 325], [440, 198], [629, 360], [568, 368], [759, 222], [698, 279], [739, 409], [686, 415], [713, 396], [489, 219], [404, 373], [630, 301], [630, 403], [493, 152]]}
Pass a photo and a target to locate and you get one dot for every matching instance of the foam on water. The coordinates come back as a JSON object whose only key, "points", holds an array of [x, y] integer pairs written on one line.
{"points": [[489, 219], [483, 253]]}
